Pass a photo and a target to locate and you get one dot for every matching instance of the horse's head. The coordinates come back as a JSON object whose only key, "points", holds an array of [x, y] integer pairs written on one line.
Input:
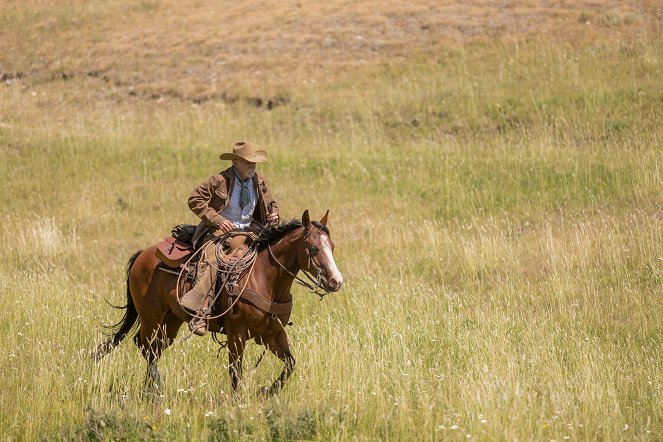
{"points": [[316, 255]]}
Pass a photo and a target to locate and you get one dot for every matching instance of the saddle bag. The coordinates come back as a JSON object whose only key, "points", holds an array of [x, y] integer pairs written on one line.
{"points": [[173, 252]]}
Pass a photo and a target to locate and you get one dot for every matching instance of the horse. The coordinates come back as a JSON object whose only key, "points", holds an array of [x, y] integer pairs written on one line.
{"points": [[282, 251]]}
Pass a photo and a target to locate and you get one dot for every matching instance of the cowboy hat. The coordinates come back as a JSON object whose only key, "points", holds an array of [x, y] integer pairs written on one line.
{"points": [[245, 150]]}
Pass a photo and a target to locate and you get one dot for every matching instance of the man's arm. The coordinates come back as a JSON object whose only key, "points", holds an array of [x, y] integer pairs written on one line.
{"points": [[270, 204], [201, 197]]}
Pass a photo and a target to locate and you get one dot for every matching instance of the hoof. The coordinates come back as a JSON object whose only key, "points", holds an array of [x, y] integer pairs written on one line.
{"points": [[263, 393], [152, 394]]}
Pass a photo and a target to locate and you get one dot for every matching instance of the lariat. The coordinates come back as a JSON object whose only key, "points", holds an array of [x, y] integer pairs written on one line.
{"points": [[230, 269]]}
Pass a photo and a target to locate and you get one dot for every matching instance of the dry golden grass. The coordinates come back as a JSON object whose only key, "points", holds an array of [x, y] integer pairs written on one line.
{"points": [[197, 50], [494, 176]]}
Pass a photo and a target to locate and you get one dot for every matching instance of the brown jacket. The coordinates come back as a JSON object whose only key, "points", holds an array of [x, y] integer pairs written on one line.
{"points": [[212, 196]]}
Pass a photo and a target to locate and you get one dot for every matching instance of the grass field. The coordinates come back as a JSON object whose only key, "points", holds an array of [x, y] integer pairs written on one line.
{"points": [[494, 177]]}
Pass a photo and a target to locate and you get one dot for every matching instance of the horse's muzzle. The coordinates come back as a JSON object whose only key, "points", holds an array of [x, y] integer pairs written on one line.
{"points": [[332, 284]]}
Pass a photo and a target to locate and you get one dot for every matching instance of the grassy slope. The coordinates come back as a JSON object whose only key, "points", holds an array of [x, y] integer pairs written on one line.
{"points": [[495, 202]]}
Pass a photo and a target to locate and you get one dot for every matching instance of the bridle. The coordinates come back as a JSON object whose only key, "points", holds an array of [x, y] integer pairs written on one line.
{"points": [[318, 289]]}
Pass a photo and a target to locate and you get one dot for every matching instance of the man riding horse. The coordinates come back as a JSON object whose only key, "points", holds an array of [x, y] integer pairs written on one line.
{"points": [[229, 201], [257, 303]]}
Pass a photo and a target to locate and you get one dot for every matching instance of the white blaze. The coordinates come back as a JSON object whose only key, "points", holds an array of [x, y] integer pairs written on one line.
{"points": [[326, 250]]}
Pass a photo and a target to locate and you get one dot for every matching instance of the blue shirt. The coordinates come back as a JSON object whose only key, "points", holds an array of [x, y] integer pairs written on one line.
{"points": [[240, 218]]}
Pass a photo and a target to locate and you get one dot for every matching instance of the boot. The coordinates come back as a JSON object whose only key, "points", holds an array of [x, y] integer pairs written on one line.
{"points": [[198, 325]]}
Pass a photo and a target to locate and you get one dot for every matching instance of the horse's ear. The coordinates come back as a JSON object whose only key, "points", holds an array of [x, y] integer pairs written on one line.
{"points": [[306, 220], [323, 221]]}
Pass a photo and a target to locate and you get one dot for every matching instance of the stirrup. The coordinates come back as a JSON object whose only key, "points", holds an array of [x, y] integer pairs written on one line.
{"points": [[198, 326]]}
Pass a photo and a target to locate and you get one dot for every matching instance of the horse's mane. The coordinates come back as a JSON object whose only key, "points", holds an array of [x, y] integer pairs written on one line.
{"points": [[270, 233]]}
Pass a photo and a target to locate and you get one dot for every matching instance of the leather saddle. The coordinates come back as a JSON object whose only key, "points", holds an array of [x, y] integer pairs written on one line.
{"points": [[173, 252]]}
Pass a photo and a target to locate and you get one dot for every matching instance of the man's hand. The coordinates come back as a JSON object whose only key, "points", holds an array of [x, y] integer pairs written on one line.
{"points": [[225, 227], [273, 218]]}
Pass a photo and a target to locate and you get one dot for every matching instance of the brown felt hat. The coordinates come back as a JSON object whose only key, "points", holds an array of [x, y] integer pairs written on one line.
{"points": [[245, 150]]}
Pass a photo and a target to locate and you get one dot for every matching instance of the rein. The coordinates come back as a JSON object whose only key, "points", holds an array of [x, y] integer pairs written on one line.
{"points": [[317, 280]]}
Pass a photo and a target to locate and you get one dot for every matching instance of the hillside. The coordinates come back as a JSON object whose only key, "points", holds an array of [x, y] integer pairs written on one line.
{"points": [[220, 51]]}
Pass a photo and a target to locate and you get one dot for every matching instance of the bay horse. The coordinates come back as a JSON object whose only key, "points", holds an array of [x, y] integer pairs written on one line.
{"points": [[282, 252]]}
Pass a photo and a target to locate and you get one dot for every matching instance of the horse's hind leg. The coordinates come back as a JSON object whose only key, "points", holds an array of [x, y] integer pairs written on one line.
{"points": [[148, 340], [152, 340], [278, 344]]}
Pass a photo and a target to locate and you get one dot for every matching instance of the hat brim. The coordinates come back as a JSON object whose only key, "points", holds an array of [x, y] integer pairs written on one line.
{"points": [[259, 157]]}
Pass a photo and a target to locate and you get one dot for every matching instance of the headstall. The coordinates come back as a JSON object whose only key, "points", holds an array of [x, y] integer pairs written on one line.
{"points": [[317, 280]]}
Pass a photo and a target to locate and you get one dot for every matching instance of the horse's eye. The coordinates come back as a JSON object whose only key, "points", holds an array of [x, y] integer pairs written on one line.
{"points": [[313, 250]]}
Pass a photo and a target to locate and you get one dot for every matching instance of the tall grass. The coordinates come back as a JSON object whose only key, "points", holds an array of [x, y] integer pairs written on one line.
{"points": [[496, 210]]}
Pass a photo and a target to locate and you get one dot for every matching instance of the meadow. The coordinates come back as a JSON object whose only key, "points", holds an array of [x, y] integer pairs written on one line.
{"points": [[494, 194]]}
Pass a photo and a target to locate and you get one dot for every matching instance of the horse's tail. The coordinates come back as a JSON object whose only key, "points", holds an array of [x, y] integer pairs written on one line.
{"points": [[126, 324]]}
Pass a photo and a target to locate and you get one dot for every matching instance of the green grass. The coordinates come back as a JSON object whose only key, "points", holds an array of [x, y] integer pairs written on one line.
{"points": [[496, 211]]}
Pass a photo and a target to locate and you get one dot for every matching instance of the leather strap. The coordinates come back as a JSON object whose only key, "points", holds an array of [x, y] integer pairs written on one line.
{"points": [[262, 303]]}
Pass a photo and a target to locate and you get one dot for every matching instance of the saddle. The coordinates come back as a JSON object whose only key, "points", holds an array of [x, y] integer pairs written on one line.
{"points": [[175, 250]]}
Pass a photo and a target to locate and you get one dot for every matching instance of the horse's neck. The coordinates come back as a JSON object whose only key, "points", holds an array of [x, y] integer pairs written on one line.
{"points": [[276, 278]]}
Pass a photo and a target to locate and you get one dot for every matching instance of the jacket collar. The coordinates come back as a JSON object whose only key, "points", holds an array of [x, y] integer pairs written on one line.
{"points": [[229, 175]]}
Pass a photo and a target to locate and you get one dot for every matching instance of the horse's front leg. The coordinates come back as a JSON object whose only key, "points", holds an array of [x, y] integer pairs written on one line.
{"points": [[278, 344], [236, 345]]}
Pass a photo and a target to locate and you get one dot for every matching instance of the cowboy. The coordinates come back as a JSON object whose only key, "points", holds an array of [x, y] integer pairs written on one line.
{"points": [[226, 202]]}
